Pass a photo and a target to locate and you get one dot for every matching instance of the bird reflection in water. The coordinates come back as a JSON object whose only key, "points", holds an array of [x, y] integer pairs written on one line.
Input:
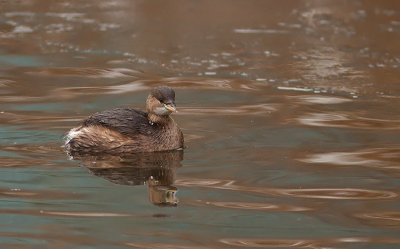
{"points": [[156, 169]]}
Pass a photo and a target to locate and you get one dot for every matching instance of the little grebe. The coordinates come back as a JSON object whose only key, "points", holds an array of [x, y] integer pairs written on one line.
{"points": [[126, 130]]}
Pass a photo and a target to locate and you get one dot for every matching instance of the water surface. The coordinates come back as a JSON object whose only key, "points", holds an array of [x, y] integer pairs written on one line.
{"points": [[290, 112]]}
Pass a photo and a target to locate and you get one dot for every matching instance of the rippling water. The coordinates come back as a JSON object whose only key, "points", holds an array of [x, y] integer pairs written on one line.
{"points": [[290, 111]]}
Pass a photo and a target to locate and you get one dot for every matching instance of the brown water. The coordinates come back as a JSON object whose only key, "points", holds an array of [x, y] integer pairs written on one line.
{"points": [[290, 110]]}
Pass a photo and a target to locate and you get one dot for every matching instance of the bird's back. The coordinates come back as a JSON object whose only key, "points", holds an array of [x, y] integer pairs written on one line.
{"points": [[128, 121]]}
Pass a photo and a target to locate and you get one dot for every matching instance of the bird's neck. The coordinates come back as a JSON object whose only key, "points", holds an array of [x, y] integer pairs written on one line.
{"points": [[158, 119]]}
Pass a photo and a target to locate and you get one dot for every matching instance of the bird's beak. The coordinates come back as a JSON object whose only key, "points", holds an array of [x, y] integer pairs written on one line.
{"points": [[171, 107], [170, 196]]}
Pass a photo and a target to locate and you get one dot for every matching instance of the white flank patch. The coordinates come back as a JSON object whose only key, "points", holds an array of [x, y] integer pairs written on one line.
{"points": [[72, 134]]}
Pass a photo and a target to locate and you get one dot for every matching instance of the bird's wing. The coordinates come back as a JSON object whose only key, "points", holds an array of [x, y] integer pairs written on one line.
{"points": [[131, 122]]}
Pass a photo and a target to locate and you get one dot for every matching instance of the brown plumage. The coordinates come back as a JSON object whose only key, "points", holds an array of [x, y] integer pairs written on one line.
{"points": [[126, 130]]}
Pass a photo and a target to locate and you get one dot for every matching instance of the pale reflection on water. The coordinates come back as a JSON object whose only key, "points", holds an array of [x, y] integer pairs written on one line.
{"points": [[384, 219], [316, 243], [345, 193], [347, 120], [260, 206], [382, 158], [326, 66]]}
